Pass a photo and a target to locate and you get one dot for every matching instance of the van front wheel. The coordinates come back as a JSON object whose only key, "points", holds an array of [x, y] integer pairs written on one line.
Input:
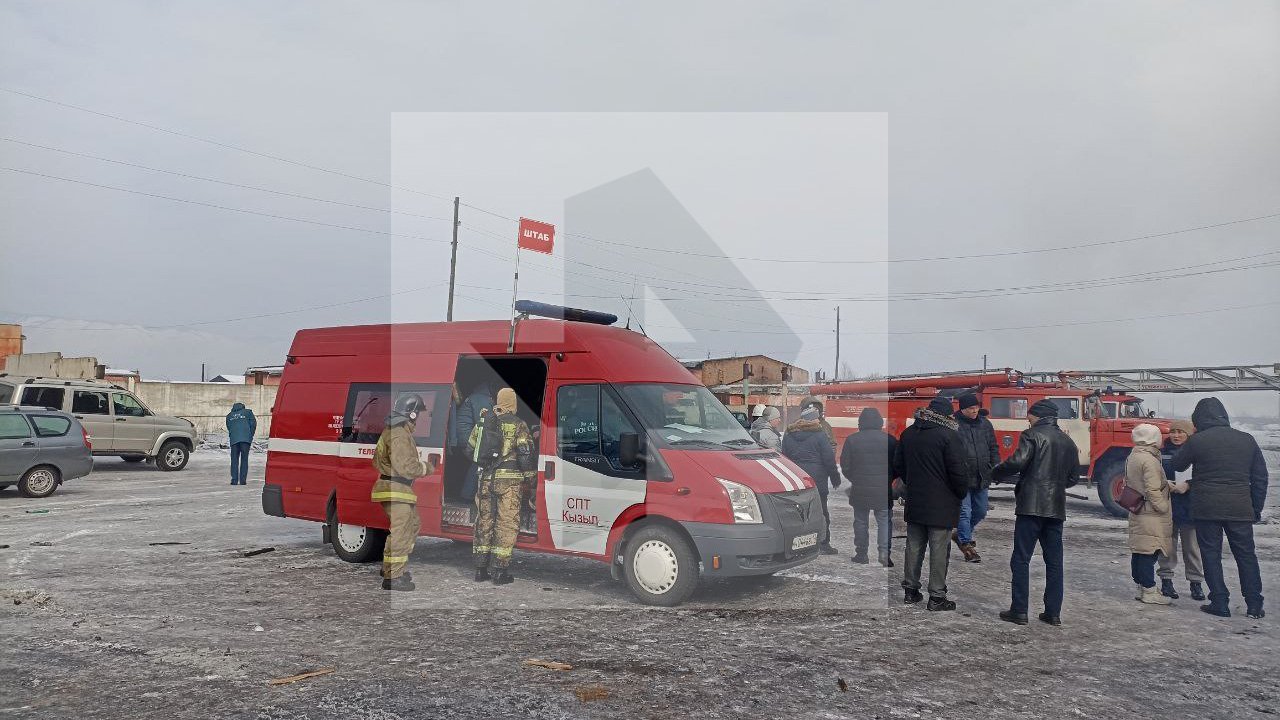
{"points": [[661, 566]]}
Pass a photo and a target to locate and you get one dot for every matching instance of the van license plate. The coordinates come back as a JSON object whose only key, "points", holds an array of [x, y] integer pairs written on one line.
{"points": [[804, 541]]}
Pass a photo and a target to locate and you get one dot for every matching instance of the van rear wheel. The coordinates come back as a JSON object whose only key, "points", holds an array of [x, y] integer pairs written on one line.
{"points": [[356, 543], [661, 566]]}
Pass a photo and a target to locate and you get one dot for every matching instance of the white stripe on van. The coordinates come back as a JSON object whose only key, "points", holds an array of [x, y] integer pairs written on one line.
{"points": [[783, 467], [332, 448], [786, 484]]}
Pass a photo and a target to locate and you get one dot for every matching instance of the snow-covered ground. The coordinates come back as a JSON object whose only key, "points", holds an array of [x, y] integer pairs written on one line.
{"points": [[102, 618]]}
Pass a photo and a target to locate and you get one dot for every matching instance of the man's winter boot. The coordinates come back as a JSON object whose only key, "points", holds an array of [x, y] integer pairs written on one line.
{"points": [[1048, 619], [1013, 617], [1255, 612], [1166, 589], [482, 575], [1152, 596], [1216, 610], [911, 597], [860, 557], [826, 549], [503, 578], [400, 583], [885, 560], [940, 604], [1197, 591]]}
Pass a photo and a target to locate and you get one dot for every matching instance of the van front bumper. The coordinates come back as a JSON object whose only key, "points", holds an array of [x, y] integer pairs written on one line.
{"points": [[761, 548]]}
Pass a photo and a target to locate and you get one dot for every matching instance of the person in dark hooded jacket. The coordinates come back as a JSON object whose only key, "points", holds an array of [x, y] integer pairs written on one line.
{"points": [[867, 462], [1229, 490], [806, 444], [930, 459], [241, 427]]}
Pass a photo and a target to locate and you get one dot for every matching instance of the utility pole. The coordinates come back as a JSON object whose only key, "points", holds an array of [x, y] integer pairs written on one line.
{"points": [[836, 374], [201, 372], [453, 260], [984, 363]]}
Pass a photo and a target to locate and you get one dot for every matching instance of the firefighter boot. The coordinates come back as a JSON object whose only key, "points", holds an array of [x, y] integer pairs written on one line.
{"points": [[482, 574], [503, 577], [400, 583]]}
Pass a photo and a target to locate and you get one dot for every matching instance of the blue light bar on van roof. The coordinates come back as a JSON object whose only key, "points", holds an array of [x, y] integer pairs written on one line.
{"points": [[557, 312]]}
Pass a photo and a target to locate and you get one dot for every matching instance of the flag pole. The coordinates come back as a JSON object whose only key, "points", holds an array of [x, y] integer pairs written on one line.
{"points": [[515, 288]]}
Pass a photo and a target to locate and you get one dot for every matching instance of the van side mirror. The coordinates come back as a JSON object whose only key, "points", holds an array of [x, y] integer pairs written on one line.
{"points": [[629, 452]]}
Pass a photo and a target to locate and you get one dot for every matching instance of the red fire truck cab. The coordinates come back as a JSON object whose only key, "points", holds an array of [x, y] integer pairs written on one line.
{"points": [[640, 466], [1100, 424]]}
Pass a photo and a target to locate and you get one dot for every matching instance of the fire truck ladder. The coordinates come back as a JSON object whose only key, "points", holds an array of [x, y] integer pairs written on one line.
{"points": [[1171, 380]]}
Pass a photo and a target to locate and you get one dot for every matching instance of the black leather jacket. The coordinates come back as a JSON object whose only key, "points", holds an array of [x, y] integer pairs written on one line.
{"points": [[1047, 463]]}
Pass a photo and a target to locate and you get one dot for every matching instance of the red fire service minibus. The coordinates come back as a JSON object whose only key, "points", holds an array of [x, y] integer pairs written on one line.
{"points": [[640, 465]]}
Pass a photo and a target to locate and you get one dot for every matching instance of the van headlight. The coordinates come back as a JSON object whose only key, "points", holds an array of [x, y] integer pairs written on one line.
{"points": [[743, 502]]}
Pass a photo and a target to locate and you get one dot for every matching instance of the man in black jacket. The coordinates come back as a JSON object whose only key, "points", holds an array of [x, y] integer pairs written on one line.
{"points": [[867, 462], [979, 438], [931, 463], [1047, 463], [1229, 479], [806, 445]]}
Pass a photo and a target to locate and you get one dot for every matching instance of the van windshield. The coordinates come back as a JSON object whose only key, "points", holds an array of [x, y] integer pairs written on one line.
{"points": [[685, 416]]}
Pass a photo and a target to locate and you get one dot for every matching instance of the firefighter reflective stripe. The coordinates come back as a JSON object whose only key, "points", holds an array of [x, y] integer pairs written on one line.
{"points": [[393, 496], [501, 552], [395, 558], [483, 549]]}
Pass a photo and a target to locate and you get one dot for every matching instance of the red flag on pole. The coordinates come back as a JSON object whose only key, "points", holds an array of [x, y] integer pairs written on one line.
{"points": [[536, 236]]}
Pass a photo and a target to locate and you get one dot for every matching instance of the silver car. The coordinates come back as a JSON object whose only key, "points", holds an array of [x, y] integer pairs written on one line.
{"points": [[119, 423], [40, 449]]}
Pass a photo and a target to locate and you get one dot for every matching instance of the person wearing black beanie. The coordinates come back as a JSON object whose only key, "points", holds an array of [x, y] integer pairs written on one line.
{"points": [[983, 453], [931, 462], [1046, 463]]}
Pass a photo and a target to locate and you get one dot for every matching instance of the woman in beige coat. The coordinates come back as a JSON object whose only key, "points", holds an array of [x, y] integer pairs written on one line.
{"points": [[1151, 530]]}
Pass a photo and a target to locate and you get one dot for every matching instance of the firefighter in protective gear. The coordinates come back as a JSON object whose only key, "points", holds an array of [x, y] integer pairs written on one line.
{"points": [[396, 460], [502, 485]]}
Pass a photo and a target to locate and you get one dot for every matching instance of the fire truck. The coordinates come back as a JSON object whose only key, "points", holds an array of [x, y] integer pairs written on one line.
{"points": [[1096, 408]]}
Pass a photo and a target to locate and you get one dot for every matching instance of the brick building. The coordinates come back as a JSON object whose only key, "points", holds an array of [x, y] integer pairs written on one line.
{"points": [[728, 370]]}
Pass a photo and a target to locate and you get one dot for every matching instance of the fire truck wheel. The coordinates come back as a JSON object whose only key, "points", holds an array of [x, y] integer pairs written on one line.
{"points": [[661, 566], [1110, 481], [356, 543]]}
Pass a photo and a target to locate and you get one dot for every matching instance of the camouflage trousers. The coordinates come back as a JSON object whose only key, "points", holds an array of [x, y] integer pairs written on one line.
{"points": [[497, 522]]}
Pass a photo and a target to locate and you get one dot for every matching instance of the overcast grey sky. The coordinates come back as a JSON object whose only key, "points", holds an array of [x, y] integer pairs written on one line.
{"points": [[997, 126]]}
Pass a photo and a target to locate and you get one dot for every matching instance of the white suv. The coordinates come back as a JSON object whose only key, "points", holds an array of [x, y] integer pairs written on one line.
{"points": [[118, 422]]}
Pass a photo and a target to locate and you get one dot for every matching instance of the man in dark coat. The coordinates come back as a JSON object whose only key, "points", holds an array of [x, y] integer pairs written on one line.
{"points": [[931, 462], [1229, 489], [1046, 463], [806, 444], [983, 452], [867, 462]]}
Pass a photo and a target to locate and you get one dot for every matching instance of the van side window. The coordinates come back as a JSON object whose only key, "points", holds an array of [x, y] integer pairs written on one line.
{"points": [[89, 402], [46, 397], [613, 423], [368, 405], [13, 427], [1010, 408], [6, 392], [578, 415]]}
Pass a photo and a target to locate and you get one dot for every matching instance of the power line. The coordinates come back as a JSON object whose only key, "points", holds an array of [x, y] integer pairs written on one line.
{"points": [[227, 146], [221, 182], [223, 207], [890, 261]]}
